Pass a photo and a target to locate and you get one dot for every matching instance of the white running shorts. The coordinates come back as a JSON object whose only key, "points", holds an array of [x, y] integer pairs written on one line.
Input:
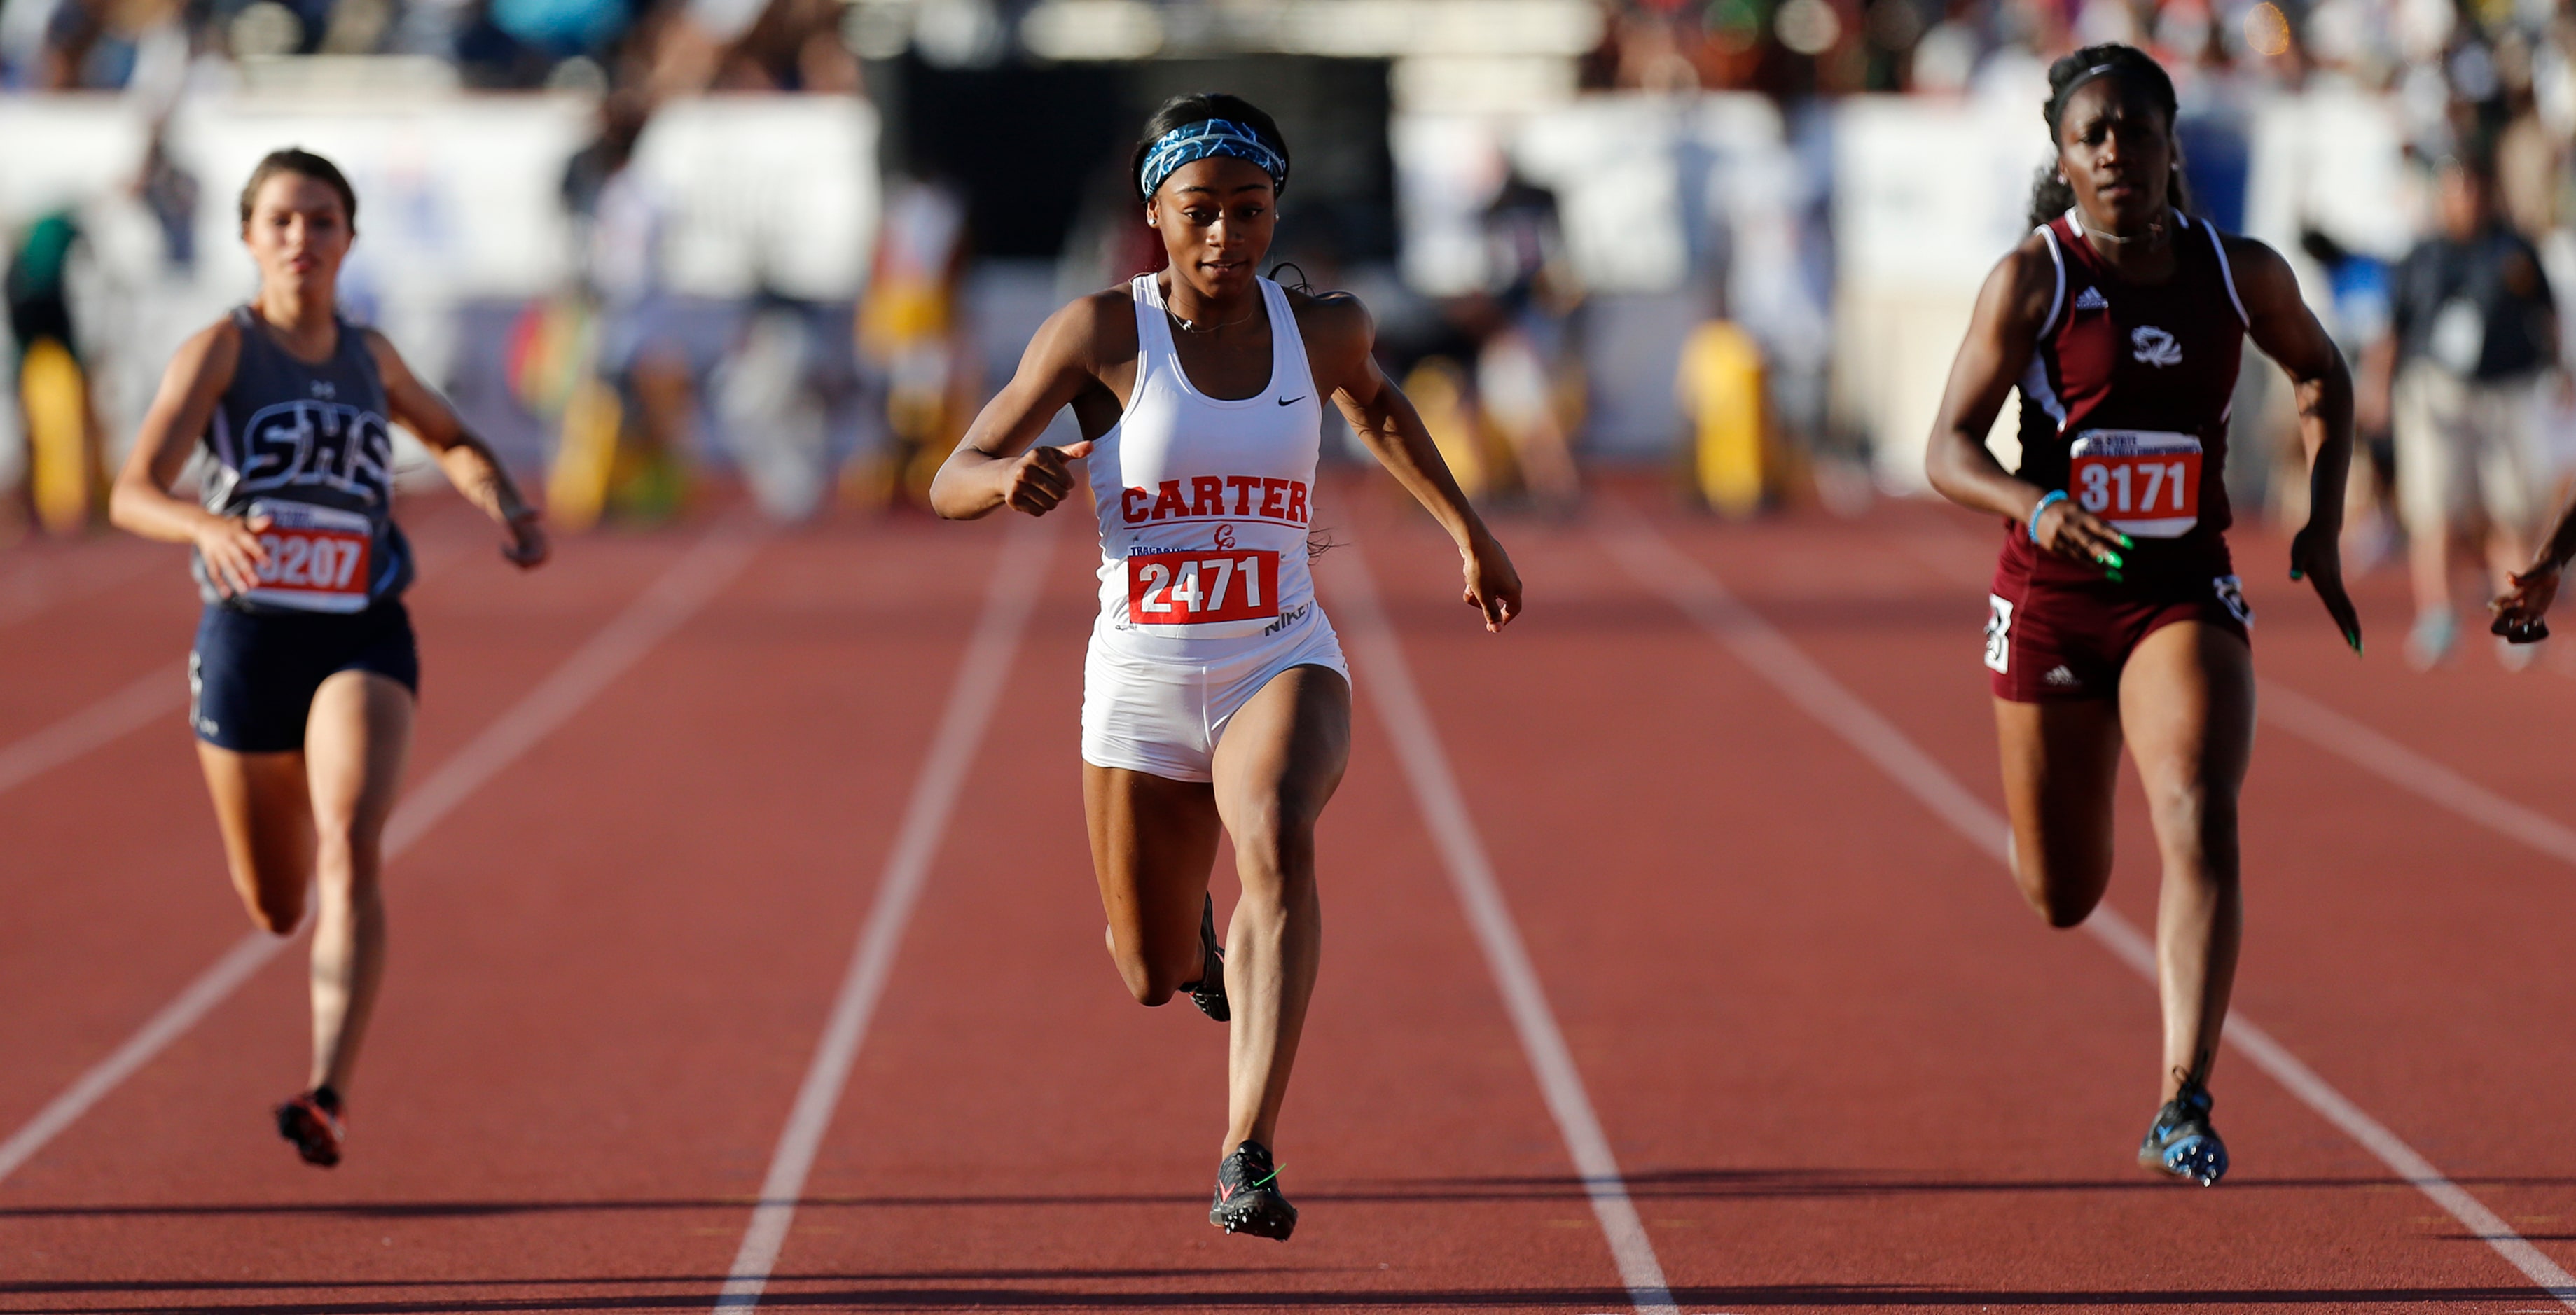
{"points": [[1165, 717]]}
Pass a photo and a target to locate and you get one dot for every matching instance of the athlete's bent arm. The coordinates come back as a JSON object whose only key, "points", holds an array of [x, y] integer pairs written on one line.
{"points": [[2001, 337], [994, 465], [1340, 337], [140, 501], [467, 460], [2279, 322]]}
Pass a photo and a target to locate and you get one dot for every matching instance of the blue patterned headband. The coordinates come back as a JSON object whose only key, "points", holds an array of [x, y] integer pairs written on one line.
{"points": [[1210, 137]]}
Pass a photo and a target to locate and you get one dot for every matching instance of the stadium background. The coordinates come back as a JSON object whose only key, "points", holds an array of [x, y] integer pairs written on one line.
{"points": [[802, 240]]}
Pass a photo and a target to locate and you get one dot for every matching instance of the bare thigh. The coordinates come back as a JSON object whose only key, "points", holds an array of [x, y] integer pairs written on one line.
{"points": [[355, 741], [1153, 841], [2060, 762], [264, 810], [1281, 760], [2187, 701]]}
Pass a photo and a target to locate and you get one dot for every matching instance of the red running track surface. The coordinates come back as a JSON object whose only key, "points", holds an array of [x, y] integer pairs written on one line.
{"points": [[1838, 1062]]}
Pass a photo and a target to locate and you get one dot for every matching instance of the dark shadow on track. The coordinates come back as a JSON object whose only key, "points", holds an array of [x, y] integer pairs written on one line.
{"points": [[1005, 1298], [1685, 1184]]}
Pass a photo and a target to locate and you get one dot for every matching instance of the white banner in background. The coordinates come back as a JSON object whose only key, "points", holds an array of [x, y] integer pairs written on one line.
{"points": [[461, 196]]}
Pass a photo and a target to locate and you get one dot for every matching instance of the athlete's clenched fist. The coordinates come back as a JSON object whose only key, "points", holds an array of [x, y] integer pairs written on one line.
{"points": [[1040, 478]]}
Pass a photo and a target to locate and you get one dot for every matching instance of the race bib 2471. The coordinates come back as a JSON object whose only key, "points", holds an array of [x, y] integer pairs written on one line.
{"points": [[1195, 588]]}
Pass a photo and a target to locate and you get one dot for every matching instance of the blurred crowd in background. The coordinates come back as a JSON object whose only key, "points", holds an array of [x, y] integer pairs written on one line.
{"points": [[801, 240]]}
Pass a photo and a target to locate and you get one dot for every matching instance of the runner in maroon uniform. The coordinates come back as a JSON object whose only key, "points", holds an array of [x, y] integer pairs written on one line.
{"points": [[2116, 613]]}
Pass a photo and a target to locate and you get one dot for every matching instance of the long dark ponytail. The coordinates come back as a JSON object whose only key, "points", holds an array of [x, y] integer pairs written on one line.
{"points": [[2050, 194]]}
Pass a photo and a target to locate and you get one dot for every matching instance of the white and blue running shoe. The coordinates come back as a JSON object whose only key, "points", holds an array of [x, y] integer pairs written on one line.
{"points": [[2182, 1143]]}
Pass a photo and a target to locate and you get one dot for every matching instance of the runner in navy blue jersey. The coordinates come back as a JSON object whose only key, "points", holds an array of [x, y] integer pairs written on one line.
{"points": [[304, 672]]}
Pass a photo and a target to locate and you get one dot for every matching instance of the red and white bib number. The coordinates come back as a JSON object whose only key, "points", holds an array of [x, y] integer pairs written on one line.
{"points": [[1196, 588], [317, 558], [2144, 483]]}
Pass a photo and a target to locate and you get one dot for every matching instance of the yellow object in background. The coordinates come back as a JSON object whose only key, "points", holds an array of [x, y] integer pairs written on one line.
{"points": [[1438, 391], [61, 471], [1720, 387], [577, 487]]}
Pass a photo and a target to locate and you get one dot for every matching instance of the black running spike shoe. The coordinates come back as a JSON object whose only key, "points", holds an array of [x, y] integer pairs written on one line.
{"points": [[1208, 992], [1247, 1195], [2182, 1143], [312, 1121]]}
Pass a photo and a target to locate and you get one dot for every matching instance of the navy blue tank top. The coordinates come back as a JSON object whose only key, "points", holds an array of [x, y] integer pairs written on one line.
{"points": [[308, 446]]}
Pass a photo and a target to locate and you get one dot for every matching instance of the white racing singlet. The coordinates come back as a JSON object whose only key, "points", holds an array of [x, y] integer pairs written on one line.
{"points": [[1204, 503]]}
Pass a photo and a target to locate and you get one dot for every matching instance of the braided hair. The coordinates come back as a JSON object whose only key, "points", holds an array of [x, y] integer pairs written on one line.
{"points": [[2050, 194]]}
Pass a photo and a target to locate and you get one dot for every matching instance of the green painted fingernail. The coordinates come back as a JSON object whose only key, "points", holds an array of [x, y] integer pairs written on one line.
{"points": [[2113, 558], [2127, 542], [2114, 577]]}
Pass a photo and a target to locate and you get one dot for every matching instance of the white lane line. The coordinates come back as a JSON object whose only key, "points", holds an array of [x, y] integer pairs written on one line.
{"points": [[1696, 591], [163, 692], [1008, 599], [683, 589], [1471, 873], [112, 718], [2366, 748]]}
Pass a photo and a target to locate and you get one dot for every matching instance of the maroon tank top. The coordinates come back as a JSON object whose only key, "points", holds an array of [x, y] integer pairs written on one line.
{"points": [[2115, 355]]}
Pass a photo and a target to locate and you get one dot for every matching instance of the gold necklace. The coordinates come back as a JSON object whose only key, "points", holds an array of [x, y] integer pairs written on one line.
{"points": [[1191, 326]]}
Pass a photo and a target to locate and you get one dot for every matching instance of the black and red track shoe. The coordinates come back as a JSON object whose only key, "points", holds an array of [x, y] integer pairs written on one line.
{"points": [[1247, 1195], [312, 1121], [1208, 992]]}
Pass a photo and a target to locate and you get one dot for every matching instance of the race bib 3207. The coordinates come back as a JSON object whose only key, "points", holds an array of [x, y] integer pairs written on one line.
{"points": [[317, 558], [1195, 588]]}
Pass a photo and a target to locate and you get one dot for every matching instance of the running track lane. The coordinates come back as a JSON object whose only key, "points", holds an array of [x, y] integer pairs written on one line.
{"points": [[2410, 971], [1820, 1030], [1007, 602], [1018, 1133], [670, 602], [115, 828], [595, 990], [1705, 600], [1398, 702]]}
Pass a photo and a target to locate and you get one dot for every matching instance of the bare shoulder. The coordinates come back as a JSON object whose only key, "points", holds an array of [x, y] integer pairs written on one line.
{"points": [[1333, 322], [1097, 330], [2260, 272], [208, 356], [2029, 272], [380, 349]]}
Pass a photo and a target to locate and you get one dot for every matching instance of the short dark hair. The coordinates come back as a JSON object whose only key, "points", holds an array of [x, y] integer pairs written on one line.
{"points": [[297, 160], [1200, 105]]}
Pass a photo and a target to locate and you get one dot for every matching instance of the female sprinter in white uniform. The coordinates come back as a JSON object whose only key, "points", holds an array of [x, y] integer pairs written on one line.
{"points": [[1215, 694], [304, 670]]}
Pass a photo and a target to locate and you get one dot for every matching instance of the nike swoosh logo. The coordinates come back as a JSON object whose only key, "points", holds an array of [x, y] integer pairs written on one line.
{"points": [[1289, 401]]}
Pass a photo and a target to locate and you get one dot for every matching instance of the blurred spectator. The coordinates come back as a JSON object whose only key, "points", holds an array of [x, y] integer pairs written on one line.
{"points": [[2473, 326], [913, 343], [67, 474]]}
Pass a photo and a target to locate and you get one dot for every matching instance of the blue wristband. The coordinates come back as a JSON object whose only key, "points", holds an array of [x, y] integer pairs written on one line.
{"points": [[2053, 495]]}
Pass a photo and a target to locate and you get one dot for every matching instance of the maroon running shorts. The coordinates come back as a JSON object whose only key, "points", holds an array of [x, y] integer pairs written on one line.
{"points": [[2052, 639]]}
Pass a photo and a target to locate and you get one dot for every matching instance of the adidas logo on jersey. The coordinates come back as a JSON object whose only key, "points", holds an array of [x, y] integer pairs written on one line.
{"points": [[2092, 299], [2060, 677]]}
